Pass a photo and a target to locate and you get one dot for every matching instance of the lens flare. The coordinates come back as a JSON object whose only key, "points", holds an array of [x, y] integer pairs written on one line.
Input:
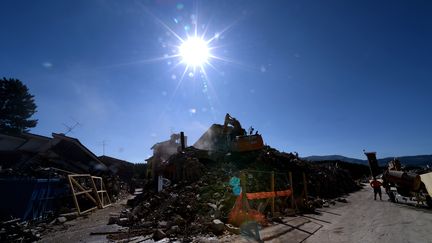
{"points": [[194, 52]]}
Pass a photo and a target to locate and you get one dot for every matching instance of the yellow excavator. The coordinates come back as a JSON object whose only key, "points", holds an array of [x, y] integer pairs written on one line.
{"points": [[239, 140], [229, 137]]}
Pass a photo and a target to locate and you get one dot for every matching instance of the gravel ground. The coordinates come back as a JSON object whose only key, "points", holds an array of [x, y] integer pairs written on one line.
{"points": [[360, 220], [366, 220], [78, 230]]}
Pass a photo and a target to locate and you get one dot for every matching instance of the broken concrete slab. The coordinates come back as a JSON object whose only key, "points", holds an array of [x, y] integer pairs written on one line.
{"points": [[274, 231], [163, 224], [69, 216], [232, 229], [296, 222], [159, 235], [310, 227], [217, 226], [294, 236]]}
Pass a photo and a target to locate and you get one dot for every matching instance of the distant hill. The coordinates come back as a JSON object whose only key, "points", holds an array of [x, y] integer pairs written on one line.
{"points": [[357, 171], [335, 157], [417, 160]]}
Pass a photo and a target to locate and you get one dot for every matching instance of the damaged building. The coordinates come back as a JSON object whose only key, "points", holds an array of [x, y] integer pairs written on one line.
{"points": [[163, 150], [34, 172]]}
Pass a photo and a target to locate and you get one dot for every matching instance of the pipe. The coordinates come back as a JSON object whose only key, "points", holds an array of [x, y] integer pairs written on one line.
{"points": [[182, 140], [407, 180]]}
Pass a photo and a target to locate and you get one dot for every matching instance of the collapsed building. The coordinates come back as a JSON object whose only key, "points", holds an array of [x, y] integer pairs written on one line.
{"points": [[162, 151], [34, 173], [27, 152], [125, 170]]}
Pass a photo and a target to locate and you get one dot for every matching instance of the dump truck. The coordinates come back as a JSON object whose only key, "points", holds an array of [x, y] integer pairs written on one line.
{"points": [[404, 183], [230, 137]]}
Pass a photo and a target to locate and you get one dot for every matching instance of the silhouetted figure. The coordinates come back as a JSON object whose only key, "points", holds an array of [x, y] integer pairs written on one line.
{"points": [[251, 129]]}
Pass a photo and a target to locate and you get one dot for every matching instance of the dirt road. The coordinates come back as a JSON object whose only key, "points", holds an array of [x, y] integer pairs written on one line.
{"points": [[360, 220], [366, 220], [78, 230]]}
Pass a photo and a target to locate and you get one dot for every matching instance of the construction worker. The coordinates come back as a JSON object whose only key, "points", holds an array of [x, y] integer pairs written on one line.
{"points": [[376, 185]]}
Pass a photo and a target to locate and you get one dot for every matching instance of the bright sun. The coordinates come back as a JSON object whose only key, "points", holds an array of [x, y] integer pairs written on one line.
{"points": [[194, 52]]}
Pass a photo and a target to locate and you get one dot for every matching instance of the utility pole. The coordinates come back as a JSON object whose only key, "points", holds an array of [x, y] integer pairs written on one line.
{"points": [[103, 146]]}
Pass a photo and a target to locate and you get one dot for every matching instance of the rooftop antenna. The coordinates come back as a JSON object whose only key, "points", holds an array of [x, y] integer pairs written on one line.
{"points": [[69, 129]]}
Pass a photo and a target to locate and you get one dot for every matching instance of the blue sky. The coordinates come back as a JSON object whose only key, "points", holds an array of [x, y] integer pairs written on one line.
{"points": [[316, 77]]}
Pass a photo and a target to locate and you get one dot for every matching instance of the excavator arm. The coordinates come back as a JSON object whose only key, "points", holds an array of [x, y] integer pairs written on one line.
{"points": [[237, 129]]}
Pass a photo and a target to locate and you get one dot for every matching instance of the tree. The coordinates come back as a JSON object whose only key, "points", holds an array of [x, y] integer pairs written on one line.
{"points": [[16, 107]]}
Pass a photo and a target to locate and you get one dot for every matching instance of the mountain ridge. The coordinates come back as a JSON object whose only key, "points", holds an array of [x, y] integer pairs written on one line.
{"points": [[412, 160]]}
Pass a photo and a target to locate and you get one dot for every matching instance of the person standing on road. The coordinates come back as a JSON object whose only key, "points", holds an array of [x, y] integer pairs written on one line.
{"points": [[376, 185]]}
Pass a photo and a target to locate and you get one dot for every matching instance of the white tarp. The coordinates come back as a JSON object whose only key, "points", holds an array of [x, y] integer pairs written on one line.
{"points": [[427, 180]]}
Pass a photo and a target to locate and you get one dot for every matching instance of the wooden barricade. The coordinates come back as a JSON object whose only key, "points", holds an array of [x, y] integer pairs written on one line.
{"points": [[100, 189], [85, 185], [264, 195], [269, 195]]}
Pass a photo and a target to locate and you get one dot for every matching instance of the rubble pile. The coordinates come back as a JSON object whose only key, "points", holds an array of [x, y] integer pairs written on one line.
{"points": [[199, 197], [16, 231], [322, 181], [185, 208]]}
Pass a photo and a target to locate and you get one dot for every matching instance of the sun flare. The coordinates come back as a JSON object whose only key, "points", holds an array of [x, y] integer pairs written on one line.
{"points": [[194, 52]]}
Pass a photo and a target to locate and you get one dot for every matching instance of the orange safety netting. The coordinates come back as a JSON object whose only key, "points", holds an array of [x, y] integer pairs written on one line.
{"points": [[262, 195], [242, 213]]}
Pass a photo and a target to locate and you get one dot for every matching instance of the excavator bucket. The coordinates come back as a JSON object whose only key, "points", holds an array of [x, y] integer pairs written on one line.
{"points": [[373, 163]]}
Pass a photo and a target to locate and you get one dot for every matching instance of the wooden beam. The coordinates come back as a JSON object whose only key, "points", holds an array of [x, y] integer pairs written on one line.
{"points": [[272, 184], [83, 189], [73, 194], [79, 175], [305, 186], [99, 203], [83, 192], [88, 210], [292, 189], [101, 192], [243, 183], [101, 187]]}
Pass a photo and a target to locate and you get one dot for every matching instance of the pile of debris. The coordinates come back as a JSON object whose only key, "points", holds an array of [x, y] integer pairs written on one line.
{"points": [[183, 209], [199, 198], [16, 231]]}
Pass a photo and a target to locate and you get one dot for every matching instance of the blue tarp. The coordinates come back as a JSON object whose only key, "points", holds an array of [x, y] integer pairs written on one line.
{"points": [[30, 199]]}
